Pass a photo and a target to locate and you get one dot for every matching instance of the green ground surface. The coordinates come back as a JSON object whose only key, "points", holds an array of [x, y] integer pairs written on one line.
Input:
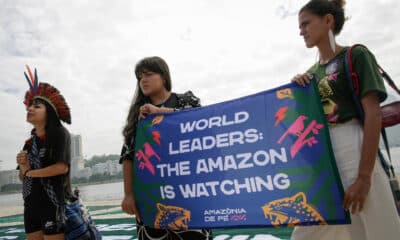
{"points": [[124, 228]]}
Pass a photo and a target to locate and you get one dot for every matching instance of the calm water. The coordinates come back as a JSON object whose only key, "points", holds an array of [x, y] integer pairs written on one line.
{"points": [[90, 193], [114, 191]]}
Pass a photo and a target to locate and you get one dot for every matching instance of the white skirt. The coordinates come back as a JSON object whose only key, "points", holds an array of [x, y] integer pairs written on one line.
{"points": [[378, 220]]}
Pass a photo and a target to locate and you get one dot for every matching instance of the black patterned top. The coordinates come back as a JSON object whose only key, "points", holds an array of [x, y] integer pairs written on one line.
{"points": [[175, 101]]}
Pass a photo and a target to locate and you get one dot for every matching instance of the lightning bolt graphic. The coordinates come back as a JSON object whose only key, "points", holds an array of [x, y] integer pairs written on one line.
{"points": [[156, 137], [280, 114]]}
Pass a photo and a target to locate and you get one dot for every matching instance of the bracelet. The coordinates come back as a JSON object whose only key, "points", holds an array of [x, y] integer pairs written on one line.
{"points": [[26, 172]]}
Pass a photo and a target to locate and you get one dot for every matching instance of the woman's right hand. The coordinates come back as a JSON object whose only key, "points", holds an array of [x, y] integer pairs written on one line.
{"points": [[147, 109], [302, 79], [128, 205], [22, 158]]}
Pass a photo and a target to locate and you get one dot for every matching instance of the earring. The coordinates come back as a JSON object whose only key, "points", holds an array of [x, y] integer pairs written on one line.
{"points": [[332, 40]]}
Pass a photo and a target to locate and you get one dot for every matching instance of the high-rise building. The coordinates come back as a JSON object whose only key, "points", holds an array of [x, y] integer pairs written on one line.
{"points": [[9, 177], [77, 162]]}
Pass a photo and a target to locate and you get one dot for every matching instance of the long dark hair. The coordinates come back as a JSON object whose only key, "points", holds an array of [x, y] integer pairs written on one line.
{"points": [[53, 124], [323, 7], [54, 129], [152, 64]]}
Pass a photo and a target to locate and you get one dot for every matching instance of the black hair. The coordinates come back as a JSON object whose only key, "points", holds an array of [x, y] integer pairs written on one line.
{"points": [[54, 130], [323, 7], [153, 64], [157, 65], [53, 123]]}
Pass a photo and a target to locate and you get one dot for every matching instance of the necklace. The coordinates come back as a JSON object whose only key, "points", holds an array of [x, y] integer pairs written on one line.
{"points": [[323, 62]]}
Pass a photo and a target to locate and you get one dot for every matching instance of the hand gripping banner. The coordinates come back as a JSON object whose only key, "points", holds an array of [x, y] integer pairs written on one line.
{"points": [[257, 161]]}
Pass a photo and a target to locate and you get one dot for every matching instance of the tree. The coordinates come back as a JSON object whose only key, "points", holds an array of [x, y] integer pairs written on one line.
{"points": [[100, 159]]}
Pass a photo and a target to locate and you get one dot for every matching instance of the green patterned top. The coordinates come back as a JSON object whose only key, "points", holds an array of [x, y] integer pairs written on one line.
{"points": [[333, 85]]}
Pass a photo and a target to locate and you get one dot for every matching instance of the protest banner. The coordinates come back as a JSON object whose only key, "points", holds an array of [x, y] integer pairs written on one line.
{"points": [[257, 161]]}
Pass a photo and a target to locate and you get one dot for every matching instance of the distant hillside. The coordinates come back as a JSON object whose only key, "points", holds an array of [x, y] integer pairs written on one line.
{"points": [[100, 159]]}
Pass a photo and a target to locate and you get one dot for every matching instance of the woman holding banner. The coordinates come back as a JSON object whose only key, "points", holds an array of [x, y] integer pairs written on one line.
{"points": [[153, 95], [367, 192]]}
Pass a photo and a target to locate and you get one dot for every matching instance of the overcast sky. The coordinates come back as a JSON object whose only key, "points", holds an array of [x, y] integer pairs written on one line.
{"points": [[220, 50]]}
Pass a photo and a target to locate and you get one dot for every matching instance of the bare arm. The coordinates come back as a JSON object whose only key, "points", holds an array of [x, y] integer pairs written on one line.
{"points": [[127, 168], [165, 110], [56, 169], [357, 193], [372, 129], [151, 109], [128, 203], [20, 175]]}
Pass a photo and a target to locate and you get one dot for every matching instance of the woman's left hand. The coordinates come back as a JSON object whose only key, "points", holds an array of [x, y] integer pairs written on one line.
{"points": [[147, 109], [356, 194], [22, 161], [24, 167]]}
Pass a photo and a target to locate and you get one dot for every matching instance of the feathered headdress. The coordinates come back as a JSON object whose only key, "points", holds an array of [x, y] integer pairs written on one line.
{"points": [[47, 93]]}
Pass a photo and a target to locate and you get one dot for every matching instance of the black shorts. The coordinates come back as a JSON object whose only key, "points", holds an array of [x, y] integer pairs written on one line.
{"points": [[43, 216]]}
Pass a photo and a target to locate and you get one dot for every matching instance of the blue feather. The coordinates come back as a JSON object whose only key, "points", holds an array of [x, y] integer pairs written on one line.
{"points": [[29, 82], [36, 81]]}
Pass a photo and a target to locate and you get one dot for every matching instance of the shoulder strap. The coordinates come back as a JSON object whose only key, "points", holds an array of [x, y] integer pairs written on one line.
{"points": [[351, 74], [354, 75], [388, 79], [386, 143], [353, 80]]}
